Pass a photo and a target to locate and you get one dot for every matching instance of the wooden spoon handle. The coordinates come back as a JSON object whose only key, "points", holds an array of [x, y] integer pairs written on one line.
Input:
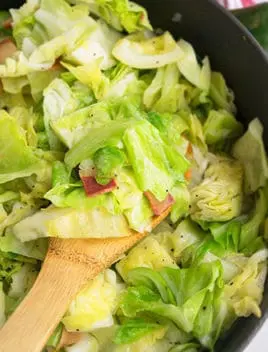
{"points": [[30, 326]]}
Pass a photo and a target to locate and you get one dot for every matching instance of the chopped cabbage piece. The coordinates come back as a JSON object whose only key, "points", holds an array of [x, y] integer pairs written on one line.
{"points": [[71, 223], [18, 159], [245, 291], [120, 14], [22, 281], [219, 196], [147, 53], [94, 306], [98, 45], [253, 158], [222, 96], [149, 254], [220, 127], [190, 68]]}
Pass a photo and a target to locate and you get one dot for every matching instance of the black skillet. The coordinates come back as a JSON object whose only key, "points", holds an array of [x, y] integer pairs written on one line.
{"points": [[234, 52]]}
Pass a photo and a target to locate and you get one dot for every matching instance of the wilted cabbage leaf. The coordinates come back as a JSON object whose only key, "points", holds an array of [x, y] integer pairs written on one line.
{"points": [[147, 53], [94, 306], [18, 159], [253, 158], [120, 14], [190, 68], [222, 96], [220, 127], [245, 291], [219, 196], [149, 254]]}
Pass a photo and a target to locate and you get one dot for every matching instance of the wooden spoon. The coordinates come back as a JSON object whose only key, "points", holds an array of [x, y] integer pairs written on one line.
{"points": [[68, 266]]}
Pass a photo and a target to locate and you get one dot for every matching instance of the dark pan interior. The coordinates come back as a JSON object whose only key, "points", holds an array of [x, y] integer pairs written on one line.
{"points": [[237, 55]]}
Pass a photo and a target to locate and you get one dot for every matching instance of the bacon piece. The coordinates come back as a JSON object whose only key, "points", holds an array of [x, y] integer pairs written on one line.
{"points": [[189, 151], [92, 187], [188, 174], [56, 66], [7, 24], [7, 49], [189, 155], [157, 206]]}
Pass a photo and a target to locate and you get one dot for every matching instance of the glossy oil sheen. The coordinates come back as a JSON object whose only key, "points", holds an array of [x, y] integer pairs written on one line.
{"points": [[234, 52]]}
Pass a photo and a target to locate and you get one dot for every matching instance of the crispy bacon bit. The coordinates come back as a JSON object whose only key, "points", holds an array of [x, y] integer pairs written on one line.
{"points": [[189, 156], [189, 151], [56, 66], [7, 24], [7, 49], [157, 206], [188, 174], [92, 187]]}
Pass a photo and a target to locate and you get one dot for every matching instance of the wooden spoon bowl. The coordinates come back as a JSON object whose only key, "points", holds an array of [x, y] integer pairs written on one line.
{"points": [[68, 266]]}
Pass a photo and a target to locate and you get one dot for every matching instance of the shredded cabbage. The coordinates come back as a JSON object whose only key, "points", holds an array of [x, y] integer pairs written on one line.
{"points": [[104, 124]]}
